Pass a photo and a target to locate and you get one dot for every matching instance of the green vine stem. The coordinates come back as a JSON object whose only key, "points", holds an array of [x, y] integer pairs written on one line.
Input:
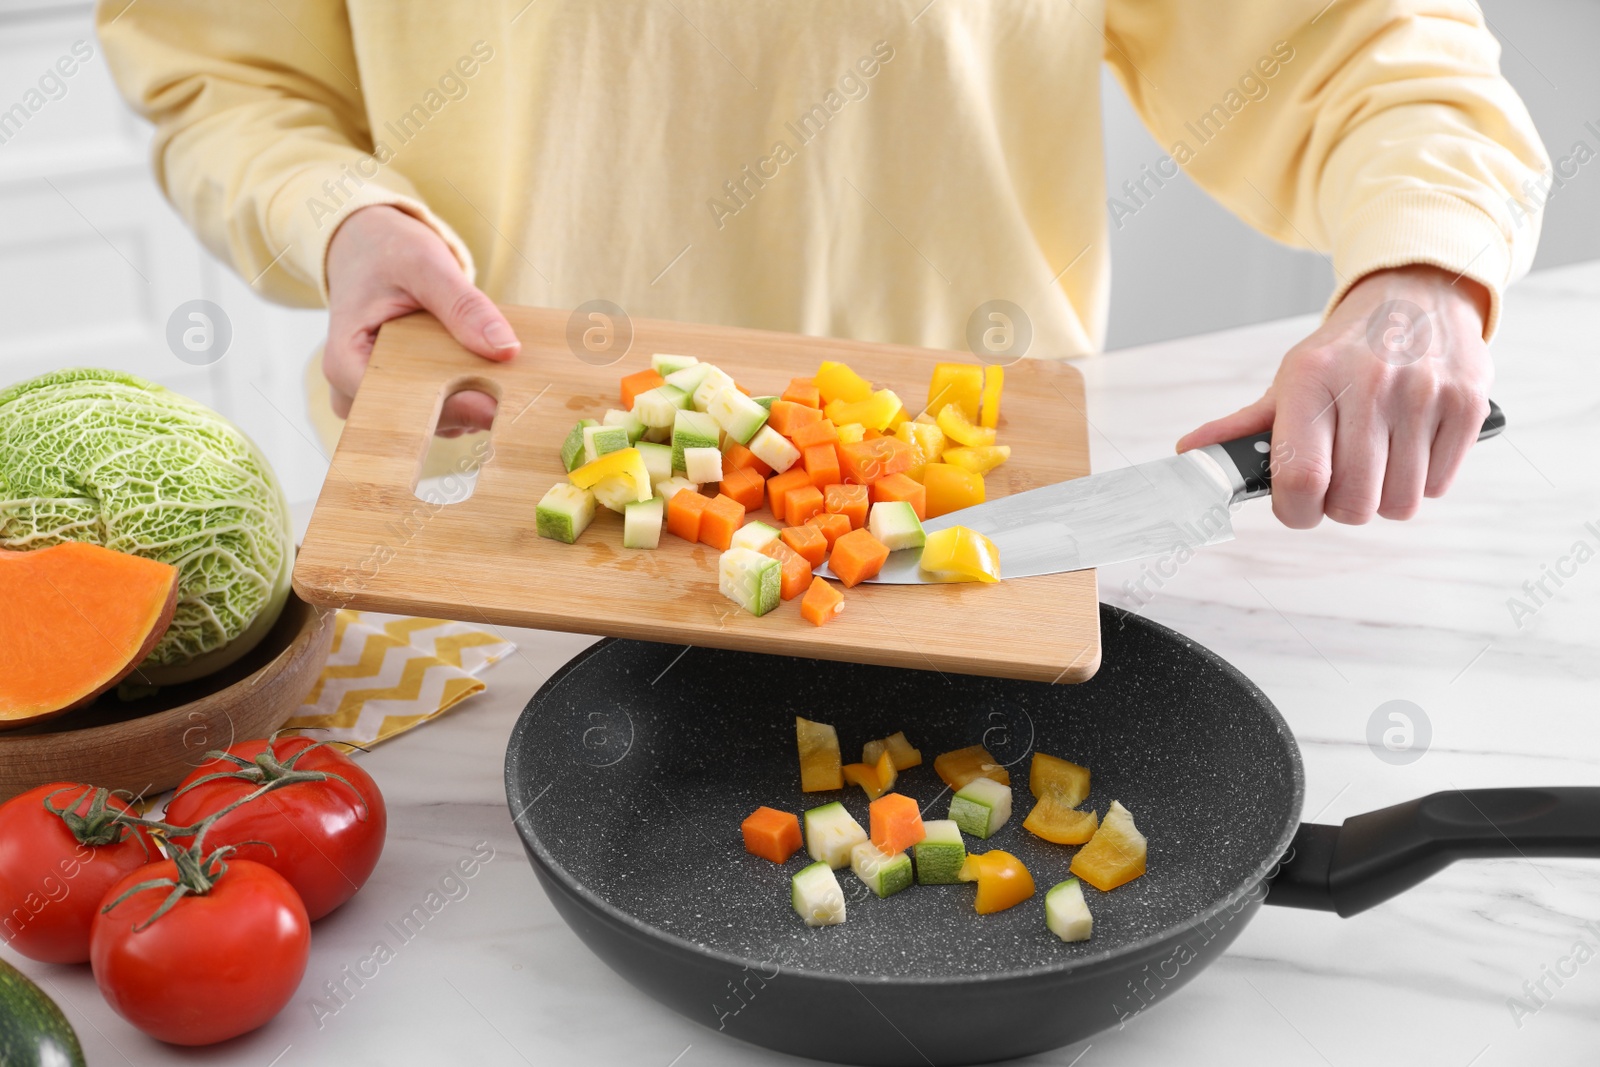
{"points": [[101, 825]]}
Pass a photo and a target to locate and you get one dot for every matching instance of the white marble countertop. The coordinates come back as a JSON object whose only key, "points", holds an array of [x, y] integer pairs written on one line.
{"points": [[1330, 623]]}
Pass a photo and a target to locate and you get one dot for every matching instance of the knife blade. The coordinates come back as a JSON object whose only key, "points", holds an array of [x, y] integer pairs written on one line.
{"points": [[1148, 509]]}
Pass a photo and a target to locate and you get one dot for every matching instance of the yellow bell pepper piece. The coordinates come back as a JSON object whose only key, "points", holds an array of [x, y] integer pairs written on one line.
{"points": [[900, 417], [819, 756], [876, 778], [950, 488], [1055, 822], [926, 441], [851, 433], [835, 381], [625, 463], [1115, 855], [1003, 882], [994, 380], [959, 428], [1052, 776], [960, 384], [875, 412], [979, 460], [960, 555]]}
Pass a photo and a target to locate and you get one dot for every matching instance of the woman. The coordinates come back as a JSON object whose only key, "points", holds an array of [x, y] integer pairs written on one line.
{"points": [[877, 171]]}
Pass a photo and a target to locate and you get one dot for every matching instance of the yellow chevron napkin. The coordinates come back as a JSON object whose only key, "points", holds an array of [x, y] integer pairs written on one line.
{"points": [[389, 673]]}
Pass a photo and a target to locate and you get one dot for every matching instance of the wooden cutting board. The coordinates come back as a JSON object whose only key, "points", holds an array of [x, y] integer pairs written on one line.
{"points": [[372, 545]]}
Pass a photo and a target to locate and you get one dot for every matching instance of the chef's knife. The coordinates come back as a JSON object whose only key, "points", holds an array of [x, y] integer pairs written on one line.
{"points": [[1149, 509]]}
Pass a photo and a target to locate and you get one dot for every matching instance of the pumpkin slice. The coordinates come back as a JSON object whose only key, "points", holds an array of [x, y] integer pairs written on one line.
{"points": [[77, 619], [964, 764]]}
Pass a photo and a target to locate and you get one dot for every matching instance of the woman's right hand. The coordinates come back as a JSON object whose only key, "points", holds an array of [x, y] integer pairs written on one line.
{"points": [[384, 263]]}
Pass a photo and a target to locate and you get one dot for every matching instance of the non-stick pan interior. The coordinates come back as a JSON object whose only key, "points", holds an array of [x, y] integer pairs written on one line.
{"points": [[630, 771]]}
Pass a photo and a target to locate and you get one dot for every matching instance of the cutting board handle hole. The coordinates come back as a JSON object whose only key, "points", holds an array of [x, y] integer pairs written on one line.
{"points": [[448, 473]]}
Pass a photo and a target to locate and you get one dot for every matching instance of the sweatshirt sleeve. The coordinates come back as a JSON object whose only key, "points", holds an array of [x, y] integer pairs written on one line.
{"points": [[262, 141], [1377, 132]]}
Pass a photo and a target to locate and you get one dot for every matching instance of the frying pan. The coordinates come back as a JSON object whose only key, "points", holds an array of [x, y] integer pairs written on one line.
{"points": [[629, 771]]}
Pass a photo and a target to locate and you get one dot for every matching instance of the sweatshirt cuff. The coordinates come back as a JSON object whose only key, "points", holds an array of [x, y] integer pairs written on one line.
{"points": [[1415, 226], [312, 213]]}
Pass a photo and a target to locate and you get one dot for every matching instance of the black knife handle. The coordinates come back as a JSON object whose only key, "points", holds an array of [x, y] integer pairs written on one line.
{"points": [[1251, 457]]}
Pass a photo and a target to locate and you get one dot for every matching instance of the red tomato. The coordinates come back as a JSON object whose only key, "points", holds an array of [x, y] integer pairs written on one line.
{"points": [[51, 883], [326, 836], [215, 966]]}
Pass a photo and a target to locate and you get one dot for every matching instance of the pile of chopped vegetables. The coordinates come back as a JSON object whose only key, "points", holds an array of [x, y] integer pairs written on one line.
{"points": [[847, 474], [900, 848]]}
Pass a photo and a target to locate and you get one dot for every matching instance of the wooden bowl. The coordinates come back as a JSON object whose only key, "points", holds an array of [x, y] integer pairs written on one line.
{"points": [[147, 746]]}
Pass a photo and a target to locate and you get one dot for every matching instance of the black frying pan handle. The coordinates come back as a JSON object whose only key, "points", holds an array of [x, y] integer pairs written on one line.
{"points": [[1378, 855], [1251, 457]]}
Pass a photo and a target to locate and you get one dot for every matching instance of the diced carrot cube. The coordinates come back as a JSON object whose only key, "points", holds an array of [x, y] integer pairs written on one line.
{"points": [[856, 557], [771, 834], [821, 432], [902, 487], [849, 501], [873, 458], [722, 516], [821, 602], [684, 513], [778, 488], [871, 434], [639, 382], [786, 416], [801, 503], [736, 457], [822, 463], [745, 486], [803, 391], [832, 524], [796, 573], [742, 389], [896, 823], [808, 541]]}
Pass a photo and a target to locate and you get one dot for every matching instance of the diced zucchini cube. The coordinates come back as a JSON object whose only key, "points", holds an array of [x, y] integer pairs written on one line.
{"points": [[831, 833], [1066, 913], [572, 448], [657, 435], [692, 429], [602, 440], [564, 512], [737, 414], [664, 364], [656, 407], [981, 807], [641, 522], [713, 383], [702, 465], [940, 853], [755, 535], [689, 378], [816, 895], [657, 460], [628, 421], [667, 486], [773, 449], [895, 523], [750, 579], [880, 872], [765, 401]]}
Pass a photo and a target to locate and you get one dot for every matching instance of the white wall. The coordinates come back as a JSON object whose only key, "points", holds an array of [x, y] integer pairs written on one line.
{"points": [[92, 259]]}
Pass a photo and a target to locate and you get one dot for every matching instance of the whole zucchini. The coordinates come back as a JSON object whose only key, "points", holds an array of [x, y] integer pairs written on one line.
{"points": [[33, 1032]]}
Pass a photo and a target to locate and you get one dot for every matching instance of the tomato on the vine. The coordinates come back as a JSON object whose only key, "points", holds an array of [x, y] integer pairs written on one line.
{"points": [[325, 834], [61, 848], [224, 958]]}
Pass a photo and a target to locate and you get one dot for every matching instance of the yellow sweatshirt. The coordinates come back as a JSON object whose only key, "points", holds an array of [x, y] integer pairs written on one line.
{"points": [[867, 170]]}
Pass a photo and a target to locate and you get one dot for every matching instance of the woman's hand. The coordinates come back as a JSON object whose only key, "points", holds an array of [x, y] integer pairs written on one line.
{"points": [[1378, 408], [383, 263]]}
